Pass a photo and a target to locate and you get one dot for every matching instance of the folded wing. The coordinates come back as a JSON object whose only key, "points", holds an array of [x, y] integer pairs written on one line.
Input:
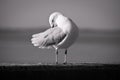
{"points": [[48, 38]]}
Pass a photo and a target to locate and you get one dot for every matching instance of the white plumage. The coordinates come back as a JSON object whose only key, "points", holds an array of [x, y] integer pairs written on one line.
{"points": [[61, 35]]}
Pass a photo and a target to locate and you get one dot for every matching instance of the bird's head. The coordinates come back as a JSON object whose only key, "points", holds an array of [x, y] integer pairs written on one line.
{"points": [[52, 19]]}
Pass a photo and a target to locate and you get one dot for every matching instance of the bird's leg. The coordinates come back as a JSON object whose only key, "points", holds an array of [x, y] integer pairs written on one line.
{"points": [[56, 55], [65, 57]]}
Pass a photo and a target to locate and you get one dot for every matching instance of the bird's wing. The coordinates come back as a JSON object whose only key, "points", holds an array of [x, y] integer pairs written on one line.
{"points": [[48, 38]]}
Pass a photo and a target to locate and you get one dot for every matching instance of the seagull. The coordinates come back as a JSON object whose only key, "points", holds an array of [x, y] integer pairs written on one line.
{"points": [[61, 35]]}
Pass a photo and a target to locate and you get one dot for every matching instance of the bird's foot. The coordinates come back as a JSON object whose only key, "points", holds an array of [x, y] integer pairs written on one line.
{"points": [[56, 62], [65, 63]]}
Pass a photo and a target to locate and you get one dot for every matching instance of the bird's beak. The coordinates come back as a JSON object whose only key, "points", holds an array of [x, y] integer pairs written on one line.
{"points": [[52, 26]]}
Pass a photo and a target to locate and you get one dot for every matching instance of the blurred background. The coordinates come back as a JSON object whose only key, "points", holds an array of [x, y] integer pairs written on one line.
{"points": [[98, 22]]}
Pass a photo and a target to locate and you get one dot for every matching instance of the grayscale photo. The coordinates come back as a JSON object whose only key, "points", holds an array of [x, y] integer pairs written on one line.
{"points": [[47, 39]]}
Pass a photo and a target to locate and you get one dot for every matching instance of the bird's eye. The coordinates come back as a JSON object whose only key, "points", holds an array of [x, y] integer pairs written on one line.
{"points": [[52, 20]]}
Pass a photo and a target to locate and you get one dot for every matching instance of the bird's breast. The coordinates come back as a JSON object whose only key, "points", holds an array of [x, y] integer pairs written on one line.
{"points": [[72, 32]]}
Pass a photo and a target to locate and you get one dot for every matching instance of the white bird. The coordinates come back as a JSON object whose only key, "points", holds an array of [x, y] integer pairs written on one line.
{"points": [[61, 35]]}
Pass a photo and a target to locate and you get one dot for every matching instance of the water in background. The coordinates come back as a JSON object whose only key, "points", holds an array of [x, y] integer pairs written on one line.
{"points": [[91, 47]]}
